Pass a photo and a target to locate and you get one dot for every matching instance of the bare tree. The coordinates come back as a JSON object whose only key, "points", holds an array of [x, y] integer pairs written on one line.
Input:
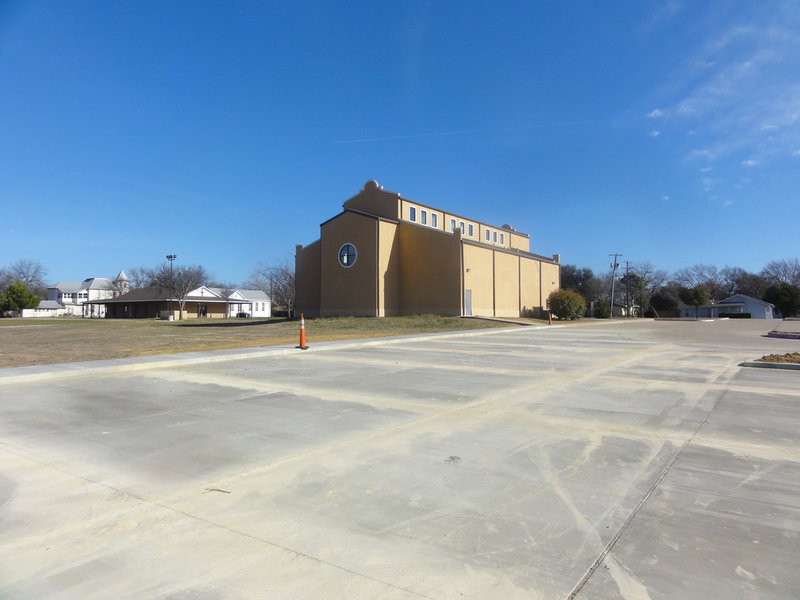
{"points": [[6, 279], [278, 282], [652, 280], [738, 281], [783, 271], [707, 276], [117, 287], [178, 281], [29, 272], [139, 277]]}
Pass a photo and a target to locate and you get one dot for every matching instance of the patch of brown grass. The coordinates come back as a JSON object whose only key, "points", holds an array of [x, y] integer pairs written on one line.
{"points": [[26, 342], [789, 357]]}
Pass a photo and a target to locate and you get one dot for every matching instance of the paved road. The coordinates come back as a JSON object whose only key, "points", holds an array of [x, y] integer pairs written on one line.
{"points": [[633, 461]]}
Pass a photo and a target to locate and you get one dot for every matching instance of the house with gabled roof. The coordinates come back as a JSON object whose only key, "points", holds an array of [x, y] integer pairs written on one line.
{"points": [[201, 303], [76, 298], [733, 306], [255, 303]]}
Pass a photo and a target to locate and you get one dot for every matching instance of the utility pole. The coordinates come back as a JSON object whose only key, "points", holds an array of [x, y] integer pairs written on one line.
{"points": [[614, 266], [628, 287]]}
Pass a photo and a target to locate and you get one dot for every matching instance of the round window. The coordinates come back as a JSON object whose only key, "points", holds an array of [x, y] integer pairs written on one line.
{"points": [[347, 255]]}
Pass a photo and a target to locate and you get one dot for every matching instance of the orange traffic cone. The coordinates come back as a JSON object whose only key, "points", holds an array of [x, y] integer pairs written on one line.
{"points": [[302, 345]]}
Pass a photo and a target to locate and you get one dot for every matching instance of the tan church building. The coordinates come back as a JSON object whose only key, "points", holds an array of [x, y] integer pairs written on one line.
{"points": [[385, 255]]}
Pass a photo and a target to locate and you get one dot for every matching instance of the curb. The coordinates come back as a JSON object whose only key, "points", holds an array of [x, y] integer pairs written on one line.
{"points": [[770, 365], [786, 335]]}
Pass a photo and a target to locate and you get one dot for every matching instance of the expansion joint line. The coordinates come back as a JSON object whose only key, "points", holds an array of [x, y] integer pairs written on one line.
{"points": [[211, 523], [665, 471]]}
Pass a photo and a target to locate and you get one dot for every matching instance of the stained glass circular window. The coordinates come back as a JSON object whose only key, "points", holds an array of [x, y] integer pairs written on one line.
{"points": [[347, 255]]}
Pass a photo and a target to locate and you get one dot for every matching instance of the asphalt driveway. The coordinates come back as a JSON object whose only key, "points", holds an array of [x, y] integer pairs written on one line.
{"points": [[627, 460]]}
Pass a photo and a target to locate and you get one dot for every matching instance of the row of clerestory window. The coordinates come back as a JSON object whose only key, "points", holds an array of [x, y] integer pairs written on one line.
{"points": [[423, 217], [492, 236]]}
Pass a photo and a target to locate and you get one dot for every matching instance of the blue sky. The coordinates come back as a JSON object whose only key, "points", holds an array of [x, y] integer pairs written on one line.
{"points": [[225, 132]]}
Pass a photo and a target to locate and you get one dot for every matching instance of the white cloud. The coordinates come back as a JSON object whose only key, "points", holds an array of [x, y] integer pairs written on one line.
{"points": [[665, 13], [654, 133], [727, 202], [749, 163], [655, 113], [705, 169], [703, 153], [740, 89], [665, 198], [796, 153]]}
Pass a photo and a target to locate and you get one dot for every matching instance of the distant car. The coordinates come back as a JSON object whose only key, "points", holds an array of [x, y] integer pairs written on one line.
{"points": [[243, 315]]}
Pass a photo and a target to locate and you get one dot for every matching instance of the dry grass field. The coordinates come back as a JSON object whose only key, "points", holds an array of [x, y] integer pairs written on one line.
{"points": [[47, 341]]}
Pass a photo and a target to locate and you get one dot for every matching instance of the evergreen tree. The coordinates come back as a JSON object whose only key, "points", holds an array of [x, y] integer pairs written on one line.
{"points": [[785, 297], [696, 296], [17, 297]]}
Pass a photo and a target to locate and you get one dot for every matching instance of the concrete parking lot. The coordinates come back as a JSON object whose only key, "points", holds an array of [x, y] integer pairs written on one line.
{"points": [[619, 460]]}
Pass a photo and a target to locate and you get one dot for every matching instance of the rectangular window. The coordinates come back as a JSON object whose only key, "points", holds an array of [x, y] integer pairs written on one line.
{"points": [[471, 230], [423, 217], [434, 220], [412, 214], [494, 237], [488, 235], [502, 238], [461, 226], [452, 224]]}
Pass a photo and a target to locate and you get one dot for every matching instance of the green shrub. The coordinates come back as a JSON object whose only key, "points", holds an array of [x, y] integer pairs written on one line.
{"points": [[566, 304], [602, 309]]}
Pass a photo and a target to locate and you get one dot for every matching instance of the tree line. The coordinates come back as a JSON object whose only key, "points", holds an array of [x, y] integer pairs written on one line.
{"points": [[656, 291]]}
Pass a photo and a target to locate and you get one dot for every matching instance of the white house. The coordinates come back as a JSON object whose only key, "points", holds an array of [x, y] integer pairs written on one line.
{"points": [[739, 303], [254, 302], [250, 303], [70, 298], [46, 308], [736, 304]]}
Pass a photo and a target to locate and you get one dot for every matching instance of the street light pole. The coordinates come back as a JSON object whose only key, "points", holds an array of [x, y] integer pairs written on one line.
{"points": [[171, 258]]}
